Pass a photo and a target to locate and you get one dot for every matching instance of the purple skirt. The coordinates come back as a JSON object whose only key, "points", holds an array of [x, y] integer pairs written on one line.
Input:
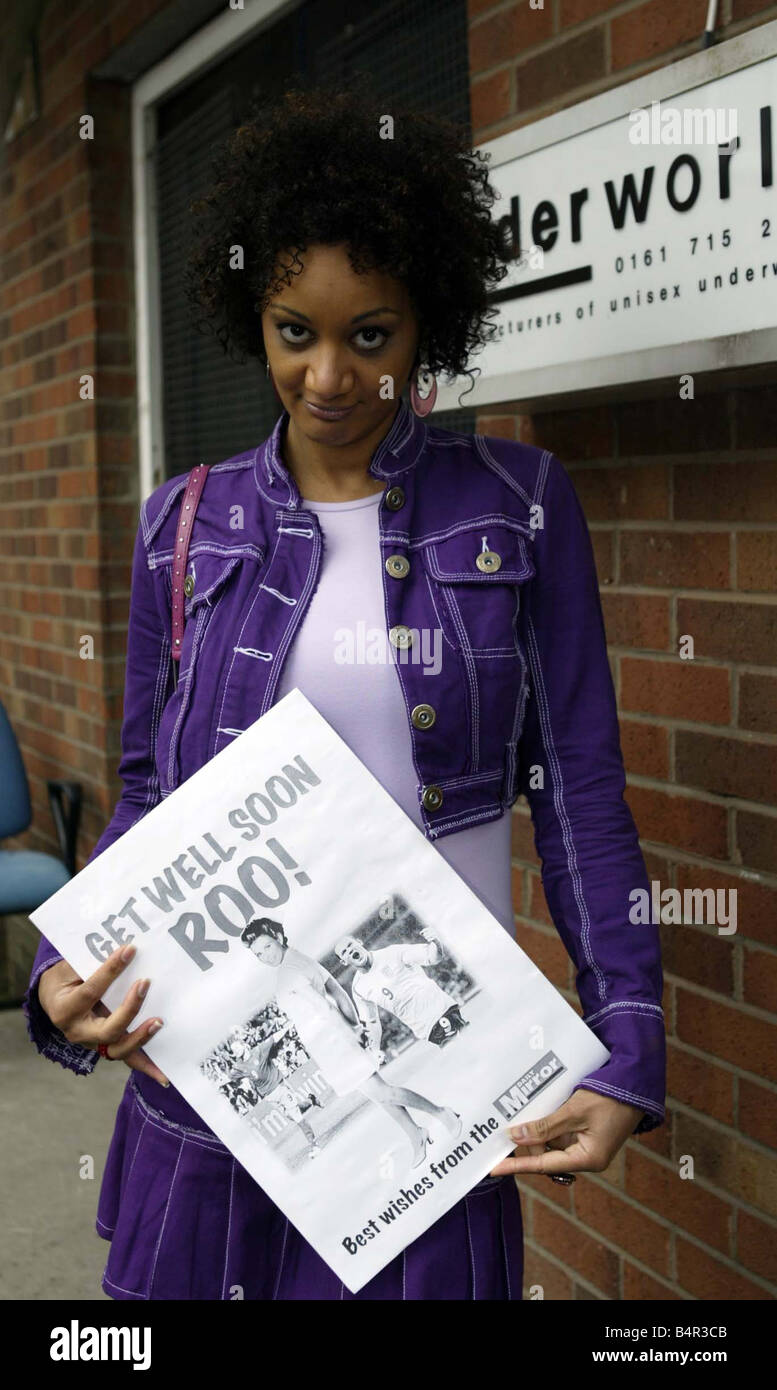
{"points": [[186, 1221]]}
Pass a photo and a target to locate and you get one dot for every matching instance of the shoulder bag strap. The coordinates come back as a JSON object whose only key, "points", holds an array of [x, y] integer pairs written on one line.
{"points": [[191, 497]]}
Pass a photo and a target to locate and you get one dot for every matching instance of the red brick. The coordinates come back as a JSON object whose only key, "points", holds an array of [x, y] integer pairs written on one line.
{"points": [[657, 27], [756, 903], [556, 74], [624, 1225], [576, 11], [699, 1083], [582, 433], [637, 620], [683, 1202], [740, 767], [577, 1249], [708, 1278], [730, 630], [675, 559], [755, 410], [756, 840], [506, 33], [501, 426], [699, 827], [491, 100], [604, 555], [730, 492], [668, 425], [757, 1245], [698, 956], [639, 492], [641, 1287], [757, 1111], [728, 1032], [725, 1160], [756, 564], [541, 1273], [645, 748], [676, 689], [759, 978], [758, 702]]}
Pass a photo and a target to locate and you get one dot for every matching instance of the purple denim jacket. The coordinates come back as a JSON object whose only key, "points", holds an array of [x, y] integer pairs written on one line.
{"points": [[494, 551]]}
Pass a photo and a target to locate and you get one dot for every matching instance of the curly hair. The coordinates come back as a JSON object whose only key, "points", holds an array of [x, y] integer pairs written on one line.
{"points": [[263, 926], [316, 166]]}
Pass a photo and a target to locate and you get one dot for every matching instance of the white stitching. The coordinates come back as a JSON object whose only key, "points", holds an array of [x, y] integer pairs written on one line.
{"points": [[491, 812], [284, 598], [283, 1260], [509, 523], [229, 1229], [560, 808], [504, 1239], [471, 1251], [638, 1005], [651, 1105], [164, 1219], [472, 680]]}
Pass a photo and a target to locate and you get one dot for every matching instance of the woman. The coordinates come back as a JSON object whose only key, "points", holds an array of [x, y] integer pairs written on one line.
{"points": [[304, 989], [367, 252]]}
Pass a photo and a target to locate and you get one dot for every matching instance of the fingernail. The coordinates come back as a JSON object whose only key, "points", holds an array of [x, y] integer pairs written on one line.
{"points": [[155, 1026], [165, 1082], [128, 952], [143, 988]]}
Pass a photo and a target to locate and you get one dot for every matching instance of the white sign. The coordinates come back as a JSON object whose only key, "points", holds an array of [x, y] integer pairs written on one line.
{"points": [[639, 231], [339, 1006]]}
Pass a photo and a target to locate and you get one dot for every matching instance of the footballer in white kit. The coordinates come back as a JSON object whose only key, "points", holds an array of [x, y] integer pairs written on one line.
{"points": [[394, 978]]}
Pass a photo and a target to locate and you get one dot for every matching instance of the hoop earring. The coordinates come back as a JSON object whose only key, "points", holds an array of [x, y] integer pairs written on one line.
{"points": [[423, 391]]}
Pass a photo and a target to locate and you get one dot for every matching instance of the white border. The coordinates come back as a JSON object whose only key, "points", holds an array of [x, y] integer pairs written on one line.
{"points": [[209, 46], [575, 381]]}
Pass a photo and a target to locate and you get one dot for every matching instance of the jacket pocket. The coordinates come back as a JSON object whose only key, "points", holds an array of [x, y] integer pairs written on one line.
{"points": [[477, 571], [208, 573]]}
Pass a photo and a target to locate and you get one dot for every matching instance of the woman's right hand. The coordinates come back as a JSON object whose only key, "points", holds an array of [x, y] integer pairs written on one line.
{"points": [[74, 1006]]}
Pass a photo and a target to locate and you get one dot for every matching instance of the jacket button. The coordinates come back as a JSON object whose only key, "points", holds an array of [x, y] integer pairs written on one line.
{"points": [[432, 798], [397, 566], [188, 586], [423, 716], [488, 561], [395, 498], [400, 636]]}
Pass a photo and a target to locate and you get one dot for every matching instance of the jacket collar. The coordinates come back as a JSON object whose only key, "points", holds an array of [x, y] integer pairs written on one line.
{"points": [[398, 451]]}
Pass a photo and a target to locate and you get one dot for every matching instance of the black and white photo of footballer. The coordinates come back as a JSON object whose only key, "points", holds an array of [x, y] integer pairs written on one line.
{"points": [[270, 1081], [395, 978], [260, 1071]]}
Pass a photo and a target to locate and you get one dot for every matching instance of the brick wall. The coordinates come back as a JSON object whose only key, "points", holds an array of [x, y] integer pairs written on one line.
{"points": [[68, 466], [681, 501]]}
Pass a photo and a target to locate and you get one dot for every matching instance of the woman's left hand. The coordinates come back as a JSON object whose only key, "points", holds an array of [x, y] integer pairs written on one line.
{"points": [[585, 1134]]}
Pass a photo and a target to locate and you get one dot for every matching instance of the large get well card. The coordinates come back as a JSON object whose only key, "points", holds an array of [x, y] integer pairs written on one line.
{"points": [[338, 1005]]}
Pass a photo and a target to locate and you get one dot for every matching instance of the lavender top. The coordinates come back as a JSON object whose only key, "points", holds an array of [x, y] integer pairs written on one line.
{"points": [[342, 661]]}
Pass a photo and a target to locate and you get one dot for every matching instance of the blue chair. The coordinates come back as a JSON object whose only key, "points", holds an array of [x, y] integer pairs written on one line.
{"points": [[27, 876]]}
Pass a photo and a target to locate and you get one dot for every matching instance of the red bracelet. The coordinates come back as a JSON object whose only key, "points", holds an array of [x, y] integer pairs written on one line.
{"points": [[102, 1048]]}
